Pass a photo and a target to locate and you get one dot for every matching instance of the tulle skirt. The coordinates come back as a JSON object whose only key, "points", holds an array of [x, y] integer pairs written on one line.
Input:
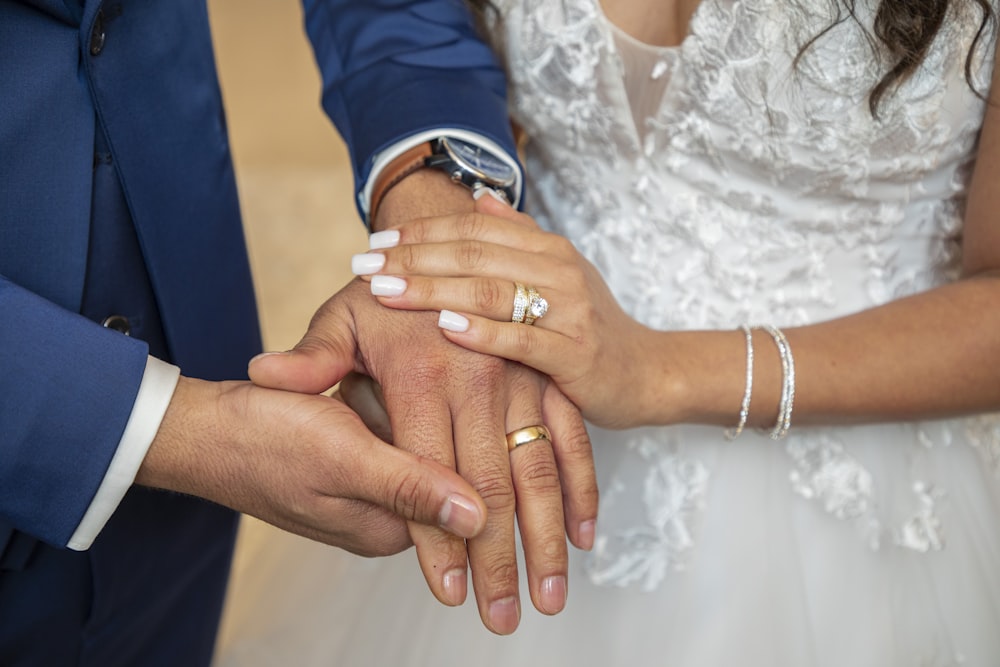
{"points": [[866, 546]]}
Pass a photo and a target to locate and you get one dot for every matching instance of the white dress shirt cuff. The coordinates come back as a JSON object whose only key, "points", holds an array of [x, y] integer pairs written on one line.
{"points": [[155, 391], [386, 156]]}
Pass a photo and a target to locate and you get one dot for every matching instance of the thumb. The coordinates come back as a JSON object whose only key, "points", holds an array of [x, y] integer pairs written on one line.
{"points": [[493, 205], [314, 365], [420, 489]]}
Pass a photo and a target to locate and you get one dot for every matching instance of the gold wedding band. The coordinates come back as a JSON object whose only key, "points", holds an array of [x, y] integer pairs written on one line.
{"points": [[523, 436], [520, 303]]}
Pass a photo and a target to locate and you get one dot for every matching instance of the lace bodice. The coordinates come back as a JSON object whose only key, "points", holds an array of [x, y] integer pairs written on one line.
{"points": [[754, 188], [720, 182]]}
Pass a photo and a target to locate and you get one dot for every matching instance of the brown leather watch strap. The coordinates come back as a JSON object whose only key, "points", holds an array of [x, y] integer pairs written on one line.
{"points": [[401, 166]]}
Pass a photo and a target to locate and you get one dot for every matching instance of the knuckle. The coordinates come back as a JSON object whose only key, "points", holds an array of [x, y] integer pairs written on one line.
{"points": [[559, 245], [523, 339], [526, 380], [574, 441], [554, 550], [496, 489], [587, 496], [418, 231], [409, 493], [425, 374], [500, 570], [422, 290], [469, 225], [469, 255], [538, 473], [407, 257], [484, 372]]}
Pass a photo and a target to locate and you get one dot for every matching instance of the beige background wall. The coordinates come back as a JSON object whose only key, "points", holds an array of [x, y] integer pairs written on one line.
{"points": [[294, 176], [297, 197]]}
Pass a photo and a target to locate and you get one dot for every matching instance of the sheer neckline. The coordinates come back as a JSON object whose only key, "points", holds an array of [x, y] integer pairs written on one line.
{"points": [[640, 44]]}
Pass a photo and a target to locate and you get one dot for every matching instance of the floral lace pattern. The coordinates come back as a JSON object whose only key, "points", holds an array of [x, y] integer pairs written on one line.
{"points": [[672, 491], [757, 190]]}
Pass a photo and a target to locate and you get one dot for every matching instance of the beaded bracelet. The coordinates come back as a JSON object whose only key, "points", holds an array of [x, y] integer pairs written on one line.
{"points": [[733, 433]]}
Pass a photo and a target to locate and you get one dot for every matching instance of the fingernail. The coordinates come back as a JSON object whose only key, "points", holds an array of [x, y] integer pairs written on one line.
{"points": [[455, 584], [479, 192], [586, 532], [362, 265], [388, 286], [387, 239], [266, 354], [460, 516], [453, 321], [553, 594], [504, 615]]}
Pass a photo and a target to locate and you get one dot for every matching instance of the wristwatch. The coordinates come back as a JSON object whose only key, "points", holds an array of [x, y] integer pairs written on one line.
{"points": [[465, 163]]}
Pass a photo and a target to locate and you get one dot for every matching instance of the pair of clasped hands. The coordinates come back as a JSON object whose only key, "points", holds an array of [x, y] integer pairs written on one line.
{"points": [[418, 453]]}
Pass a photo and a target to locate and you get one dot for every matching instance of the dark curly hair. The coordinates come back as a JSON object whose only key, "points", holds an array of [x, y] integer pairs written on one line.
{"points": [[903, 31]]}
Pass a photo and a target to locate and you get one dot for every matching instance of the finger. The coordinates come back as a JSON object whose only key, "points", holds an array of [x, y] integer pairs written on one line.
{"points": [[575, 461], [486, 297], [539, 499], [443, 561], [418, 420], [504, 227], [544, 350], [324, 355], [417, 489], [464, 258], [481, 450], [502, 209]]}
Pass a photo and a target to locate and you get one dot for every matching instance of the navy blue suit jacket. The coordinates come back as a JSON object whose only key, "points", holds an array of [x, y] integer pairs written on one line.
{"points": [[141, 74]]}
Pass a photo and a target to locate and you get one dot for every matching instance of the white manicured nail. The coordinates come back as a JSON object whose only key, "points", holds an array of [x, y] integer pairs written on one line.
{"points": [[388, 286], [371, 262], [480, 191], [453, 321], [386, 239]]}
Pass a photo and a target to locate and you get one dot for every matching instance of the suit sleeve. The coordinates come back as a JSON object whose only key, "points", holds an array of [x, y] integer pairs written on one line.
{"points": [[394, 68], [68, 386]]}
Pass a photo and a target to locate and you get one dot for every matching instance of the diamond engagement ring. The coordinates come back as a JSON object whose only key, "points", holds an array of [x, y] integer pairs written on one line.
{"points": [[537, 306], [528, 305]]}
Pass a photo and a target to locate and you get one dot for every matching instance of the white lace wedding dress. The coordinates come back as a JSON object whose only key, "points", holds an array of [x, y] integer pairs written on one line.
{"points": [[717, 183]]}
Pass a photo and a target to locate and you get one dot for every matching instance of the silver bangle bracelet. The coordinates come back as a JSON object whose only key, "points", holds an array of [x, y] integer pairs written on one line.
{"points": [[784, 422], [733, 433]]}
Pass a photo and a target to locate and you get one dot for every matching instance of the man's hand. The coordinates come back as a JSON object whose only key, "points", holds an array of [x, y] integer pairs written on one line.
{"points": [[304, 463], [456, 407]]}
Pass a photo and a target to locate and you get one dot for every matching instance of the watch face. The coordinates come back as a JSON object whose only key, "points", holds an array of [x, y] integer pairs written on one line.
{"points": [[491, 169]]}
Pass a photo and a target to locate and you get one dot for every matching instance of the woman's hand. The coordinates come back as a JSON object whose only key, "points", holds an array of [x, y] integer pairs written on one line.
{"points": [[466, 266]]}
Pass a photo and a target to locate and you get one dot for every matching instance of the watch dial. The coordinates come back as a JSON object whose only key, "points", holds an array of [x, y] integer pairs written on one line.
{"points": [[482, 161]]}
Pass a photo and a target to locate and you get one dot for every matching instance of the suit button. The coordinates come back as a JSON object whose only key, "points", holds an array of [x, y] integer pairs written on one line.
{"points": [[97, 35], [117, 323]]}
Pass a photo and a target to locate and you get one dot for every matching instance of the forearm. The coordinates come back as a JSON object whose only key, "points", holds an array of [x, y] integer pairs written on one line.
{"points": [[927, 356]]}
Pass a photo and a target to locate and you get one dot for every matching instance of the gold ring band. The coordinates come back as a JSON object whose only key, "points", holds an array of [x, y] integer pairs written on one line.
{"points": [[523, 436], [520, 303]]}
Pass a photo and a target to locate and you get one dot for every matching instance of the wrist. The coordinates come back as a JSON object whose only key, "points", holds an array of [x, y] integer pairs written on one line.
{"points": [[179, 458], [422, 193], [664, 383], [697, 377]]}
